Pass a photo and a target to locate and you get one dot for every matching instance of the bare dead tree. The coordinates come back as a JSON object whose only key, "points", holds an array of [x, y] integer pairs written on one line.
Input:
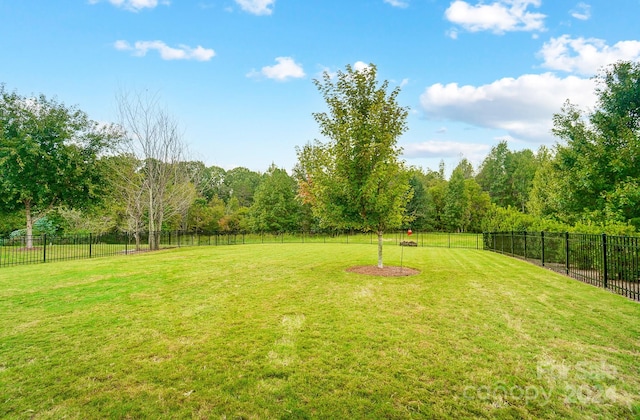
{"points": [[162, 186]]}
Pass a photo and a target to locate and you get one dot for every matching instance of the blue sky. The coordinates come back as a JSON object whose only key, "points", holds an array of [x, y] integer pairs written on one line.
{"points": [[237, 74]]}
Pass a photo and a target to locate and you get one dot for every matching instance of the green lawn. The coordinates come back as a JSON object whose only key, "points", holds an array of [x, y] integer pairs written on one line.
{"points": [[266, 331]]}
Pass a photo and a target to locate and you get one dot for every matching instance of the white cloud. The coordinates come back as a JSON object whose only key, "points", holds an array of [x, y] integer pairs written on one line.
{"points": [[286, 69], [498, 17], [582, 11], [446, 149], [522, 107], [397, 3], [183, 52], [257, 7], [360, 66], [133, 5], [585, 55]]}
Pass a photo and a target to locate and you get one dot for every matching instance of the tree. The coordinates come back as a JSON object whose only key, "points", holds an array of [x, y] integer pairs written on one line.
{"points": [[356, 180], [418, 207], [493, 176], [457, 204], [508, 176], [546, 191], [48, 155], [598, 163], [479, 204], [235, 217], [521, 167], [276, 207], [10, 221], [241, 183], [161, 184], [210, 183], [436, 192]]}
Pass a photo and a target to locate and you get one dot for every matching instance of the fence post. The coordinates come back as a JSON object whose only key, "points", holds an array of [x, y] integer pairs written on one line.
{"points": [[566, 245], [604, 260], [513, 245], [525, 244], [542, 247], [44, 248], [90, 243]]}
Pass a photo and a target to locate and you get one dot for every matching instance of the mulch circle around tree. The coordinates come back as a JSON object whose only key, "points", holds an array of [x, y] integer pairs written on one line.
{"points": [[388, 271]]}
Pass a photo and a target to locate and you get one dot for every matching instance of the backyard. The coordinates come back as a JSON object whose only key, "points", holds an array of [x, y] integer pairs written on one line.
{"points": [[285, 331]]}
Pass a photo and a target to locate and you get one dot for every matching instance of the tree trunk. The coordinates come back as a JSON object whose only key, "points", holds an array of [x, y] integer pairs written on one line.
{"points": [[152, 226], [29, 235], [380, 249], [137, 237]]}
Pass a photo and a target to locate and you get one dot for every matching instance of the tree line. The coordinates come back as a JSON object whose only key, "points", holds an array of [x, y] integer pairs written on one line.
{"points": [[62, 172]]}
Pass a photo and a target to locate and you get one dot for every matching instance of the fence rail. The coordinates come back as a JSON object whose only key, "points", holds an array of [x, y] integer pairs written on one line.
{"points": [[610, 262], [47, 248]]}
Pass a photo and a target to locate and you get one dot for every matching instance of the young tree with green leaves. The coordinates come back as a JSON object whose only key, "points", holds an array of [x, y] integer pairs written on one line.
{"points": [[48, 155], [356, 180]]}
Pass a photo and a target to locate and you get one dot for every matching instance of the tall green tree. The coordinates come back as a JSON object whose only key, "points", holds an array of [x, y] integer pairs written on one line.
{"points": [[436, 193], [457, 204], [479, 205], [598, 159], [546, 192], [508, 176], [276, 207], [48, 155], [241, 183], [356, 179], [210, 183], [419, 206], [493, 176]]}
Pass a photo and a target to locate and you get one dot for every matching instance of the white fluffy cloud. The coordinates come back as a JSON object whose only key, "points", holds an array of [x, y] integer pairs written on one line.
{"points": [[446, 149], [133, 5], [397, 3], [360, 66], [286, 69], [585, 55], [257, 7], [183, 52], [522, 107], [582, 11], [499, 17]]}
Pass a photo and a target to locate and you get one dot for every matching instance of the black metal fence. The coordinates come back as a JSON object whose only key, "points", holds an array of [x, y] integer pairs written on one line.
{"points": [[611, 262], [46, 248]]}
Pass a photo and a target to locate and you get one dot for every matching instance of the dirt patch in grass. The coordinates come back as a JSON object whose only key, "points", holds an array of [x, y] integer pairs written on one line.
{"points": [[388, 271]]}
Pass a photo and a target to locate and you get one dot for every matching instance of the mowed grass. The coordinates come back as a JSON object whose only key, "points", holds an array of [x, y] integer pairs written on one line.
{"points": [[283, 331]]}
